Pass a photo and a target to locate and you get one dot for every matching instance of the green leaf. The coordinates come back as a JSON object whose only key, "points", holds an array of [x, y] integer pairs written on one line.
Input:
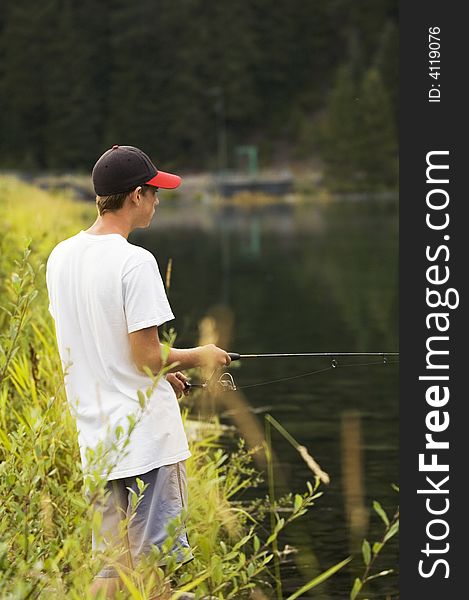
{"points": [[189, 586], [216, 569], [6, 440], [141, 399], [298, 502], [279, 525], [319, 579], [256, 543], [392, 531], [377, 547], [357, 586], [141, 485], [366, 551], [148, 371], [380, 574], [380, 511], [134, 593], [241, 542]]}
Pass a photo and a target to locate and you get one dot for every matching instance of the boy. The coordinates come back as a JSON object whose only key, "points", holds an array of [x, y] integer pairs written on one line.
{"points": [[108, 300]]}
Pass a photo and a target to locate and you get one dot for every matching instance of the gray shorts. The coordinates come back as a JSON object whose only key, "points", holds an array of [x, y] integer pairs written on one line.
{"points": [[163, 500]]}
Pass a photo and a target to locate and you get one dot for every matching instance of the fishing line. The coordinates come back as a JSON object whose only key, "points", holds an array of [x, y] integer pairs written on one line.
{"points": [[330, 368], [243, 387], [227, 383]]}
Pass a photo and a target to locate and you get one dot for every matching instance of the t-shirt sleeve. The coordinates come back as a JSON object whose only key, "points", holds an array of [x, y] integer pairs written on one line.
{"points": [[145, 300]]}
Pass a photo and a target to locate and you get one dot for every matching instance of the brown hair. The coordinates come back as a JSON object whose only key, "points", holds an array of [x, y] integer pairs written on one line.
{"points": [[111, 203], [116, 201]]}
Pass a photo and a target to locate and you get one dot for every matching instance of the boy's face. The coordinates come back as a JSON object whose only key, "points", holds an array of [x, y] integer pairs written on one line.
{"points": [[149, 196]]}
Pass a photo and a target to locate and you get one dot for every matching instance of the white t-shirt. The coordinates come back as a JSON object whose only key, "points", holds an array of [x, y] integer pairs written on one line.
{"points": [[101, 288]]}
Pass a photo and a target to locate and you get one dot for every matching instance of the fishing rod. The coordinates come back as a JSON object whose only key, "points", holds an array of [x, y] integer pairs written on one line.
{"points": [[226, 381], [236, 356]]}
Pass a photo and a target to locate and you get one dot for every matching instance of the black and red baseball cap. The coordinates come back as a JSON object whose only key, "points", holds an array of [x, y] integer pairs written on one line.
{"points": [[123, 168]]}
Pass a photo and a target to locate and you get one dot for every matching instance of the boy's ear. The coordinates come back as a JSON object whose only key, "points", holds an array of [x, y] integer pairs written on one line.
{"points": [[135, 194]]}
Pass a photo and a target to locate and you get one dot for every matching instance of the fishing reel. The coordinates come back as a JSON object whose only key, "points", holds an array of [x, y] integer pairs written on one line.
{"points": [[225, 383]]}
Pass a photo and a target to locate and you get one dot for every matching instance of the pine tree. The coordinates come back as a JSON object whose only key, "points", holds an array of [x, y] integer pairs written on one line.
{"points": [[341, 132], [366, 18], [70, 130], [377, 150], [299, 48], [25, 30], [387, 63]]}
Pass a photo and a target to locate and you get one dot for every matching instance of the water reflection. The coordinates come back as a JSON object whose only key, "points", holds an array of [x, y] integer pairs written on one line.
{"points": [[301, 278]]}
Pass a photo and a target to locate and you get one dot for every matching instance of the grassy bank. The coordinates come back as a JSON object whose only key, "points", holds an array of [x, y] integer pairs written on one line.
{"points": [[45, 520]]}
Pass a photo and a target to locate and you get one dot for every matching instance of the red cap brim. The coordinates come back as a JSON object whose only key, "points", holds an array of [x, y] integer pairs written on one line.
{"points": [[167, 181]]}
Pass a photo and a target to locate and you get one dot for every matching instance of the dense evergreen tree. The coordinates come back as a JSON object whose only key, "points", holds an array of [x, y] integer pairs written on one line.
{"points": [[340, 132], [23, 117], [71, 108], [387, 63], [377, 143], [170, 76], [365, 19], [359, 134]]}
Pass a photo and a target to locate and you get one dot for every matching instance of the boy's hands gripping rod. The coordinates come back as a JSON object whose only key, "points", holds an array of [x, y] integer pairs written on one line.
{"points": [[227, 382]]}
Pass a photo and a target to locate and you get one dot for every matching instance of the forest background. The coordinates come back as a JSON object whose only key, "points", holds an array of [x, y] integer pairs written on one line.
{"points": [[309, 83]]}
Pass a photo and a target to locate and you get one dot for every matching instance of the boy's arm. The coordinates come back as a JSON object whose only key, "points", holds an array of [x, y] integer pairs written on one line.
{"points": [[146, 351]]}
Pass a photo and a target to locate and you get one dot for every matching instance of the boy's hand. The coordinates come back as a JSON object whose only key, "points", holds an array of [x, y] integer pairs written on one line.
{"points": [[212, 356], [178, 381]]}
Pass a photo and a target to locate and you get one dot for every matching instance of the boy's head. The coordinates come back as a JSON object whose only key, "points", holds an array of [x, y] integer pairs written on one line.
{"points": [[121, 170]]}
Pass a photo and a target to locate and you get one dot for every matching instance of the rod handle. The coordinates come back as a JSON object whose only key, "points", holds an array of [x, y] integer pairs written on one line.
{"points": [[234, 355], [188, 385]]}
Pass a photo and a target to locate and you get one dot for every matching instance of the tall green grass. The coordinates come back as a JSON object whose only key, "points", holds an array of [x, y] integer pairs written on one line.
{"points": [[45, 519]]}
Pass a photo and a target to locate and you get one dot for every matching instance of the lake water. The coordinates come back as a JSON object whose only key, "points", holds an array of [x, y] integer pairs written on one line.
{"points": [[302, 278]]}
